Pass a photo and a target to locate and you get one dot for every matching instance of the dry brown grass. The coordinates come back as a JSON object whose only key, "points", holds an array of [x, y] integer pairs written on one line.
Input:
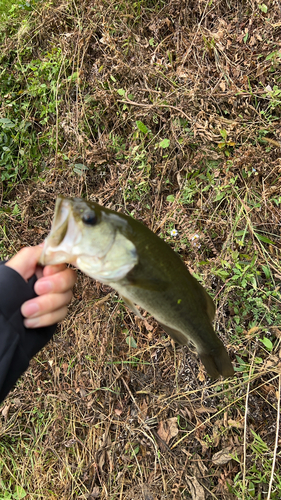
{"points": [[93, 417]]}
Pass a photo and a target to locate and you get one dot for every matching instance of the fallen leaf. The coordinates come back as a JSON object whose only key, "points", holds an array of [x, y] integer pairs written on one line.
{"points": [[272, 361], [202, 409], [168, 429], [95, 493], [201, 375], [195, 488], [147, 325], [222, 457], [143, 411], [267, 388], [235, 423], [5, 411]]}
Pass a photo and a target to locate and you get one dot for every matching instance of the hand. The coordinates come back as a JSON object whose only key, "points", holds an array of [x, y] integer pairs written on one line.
{"points": [[54, 287]]}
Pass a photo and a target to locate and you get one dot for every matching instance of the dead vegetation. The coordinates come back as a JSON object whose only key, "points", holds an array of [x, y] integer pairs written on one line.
{"points": [[168, 111]]}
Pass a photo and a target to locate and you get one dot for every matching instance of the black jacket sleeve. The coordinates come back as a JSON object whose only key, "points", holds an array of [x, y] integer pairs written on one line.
{"points": [[17, 343]]}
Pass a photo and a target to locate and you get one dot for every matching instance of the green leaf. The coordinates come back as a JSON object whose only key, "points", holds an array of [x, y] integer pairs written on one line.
{"points": [[266, 271], [271, 55], [131, 342], [246, 37], [254, 282], [142, 127], [219, 196], [242, 232], [164, 144], [251, 489], [196, 276], [79, 168], [121, 92], [19, 493], [112, 78], [267, 343], [223, 133], [263, 8], [7, 123], [240, 360], [264, 239], [7, 495], [170, 198], [135, 451]]}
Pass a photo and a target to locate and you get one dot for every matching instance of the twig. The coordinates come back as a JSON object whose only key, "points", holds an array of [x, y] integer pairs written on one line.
{"points": [[132, 397], [133, 103], [272, 141], [276, 439], [245, 427]]}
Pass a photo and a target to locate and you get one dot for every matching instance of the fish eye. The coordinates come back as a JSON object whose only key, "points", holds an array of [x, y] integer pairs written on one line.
{"points": [[89, 218]]}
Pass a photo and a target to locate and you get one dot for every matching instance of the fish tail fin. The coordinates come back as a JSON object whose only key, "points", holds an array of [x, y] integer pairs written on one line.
{"points": [[212, 353], [217, 362]]}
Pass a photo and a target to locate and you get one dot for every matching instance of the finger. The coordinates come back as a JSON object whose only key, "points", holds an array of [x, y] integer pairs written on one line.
{"points": [[46, 319], [39, 272], [49, 270], [45, 304], [25, 261], [56, 283]]}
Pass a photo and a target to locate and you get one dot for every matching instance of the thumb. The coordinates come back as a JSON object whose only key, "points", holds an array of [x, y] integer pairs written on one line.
{"points": [[25, 261]]}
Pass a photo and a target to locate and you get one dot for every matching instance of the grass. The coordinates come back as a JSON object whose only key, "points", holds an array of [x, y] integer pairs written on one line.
{"points": [[170, 114], [5, 8]]}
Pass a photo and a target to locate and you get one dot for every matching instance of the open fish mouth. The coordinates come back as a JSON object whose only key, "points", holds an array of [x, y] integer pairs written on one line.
{"points": [[63, 237], [60, 222]]}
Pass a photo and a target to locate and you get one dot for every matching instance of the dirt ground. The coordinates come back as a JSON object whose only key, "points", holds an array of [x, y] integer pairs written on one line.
{"points": [[98, 416]]}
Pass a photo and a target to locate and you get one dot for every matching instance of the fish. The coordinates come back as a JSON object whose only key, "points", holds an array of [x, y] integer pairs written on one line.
{"points": [[125, 254]]}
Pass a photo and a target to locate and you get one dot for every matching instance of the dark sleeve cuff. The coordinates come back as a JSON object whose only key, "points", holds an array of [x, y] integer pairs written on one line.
{"points": [[17, 349], [17, 343], [14, 290]]}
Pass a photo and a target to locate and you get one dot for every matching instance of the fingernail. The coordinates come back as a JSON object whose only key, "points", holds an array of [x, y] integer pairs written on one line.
{"points": [[29, 309], [31, 323], [43, 286]]}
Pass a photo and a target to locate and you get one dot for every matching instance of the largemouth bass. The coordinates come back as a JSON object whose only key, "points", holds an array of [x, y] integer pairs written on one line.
{"points": [[123, 253]]}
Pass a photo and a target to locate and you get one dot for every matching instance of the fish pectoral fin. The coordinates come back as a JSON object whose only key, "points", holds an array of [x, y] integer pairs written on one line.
{"points": [[176, 335], [132, 306]]}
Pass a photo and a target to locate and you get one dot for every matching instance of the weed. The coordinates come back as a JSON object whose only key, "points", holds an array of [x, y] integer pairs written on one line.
{"points": [[30, 105], [11, 492], [226, 145], [258, 474], [273, 96]]}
